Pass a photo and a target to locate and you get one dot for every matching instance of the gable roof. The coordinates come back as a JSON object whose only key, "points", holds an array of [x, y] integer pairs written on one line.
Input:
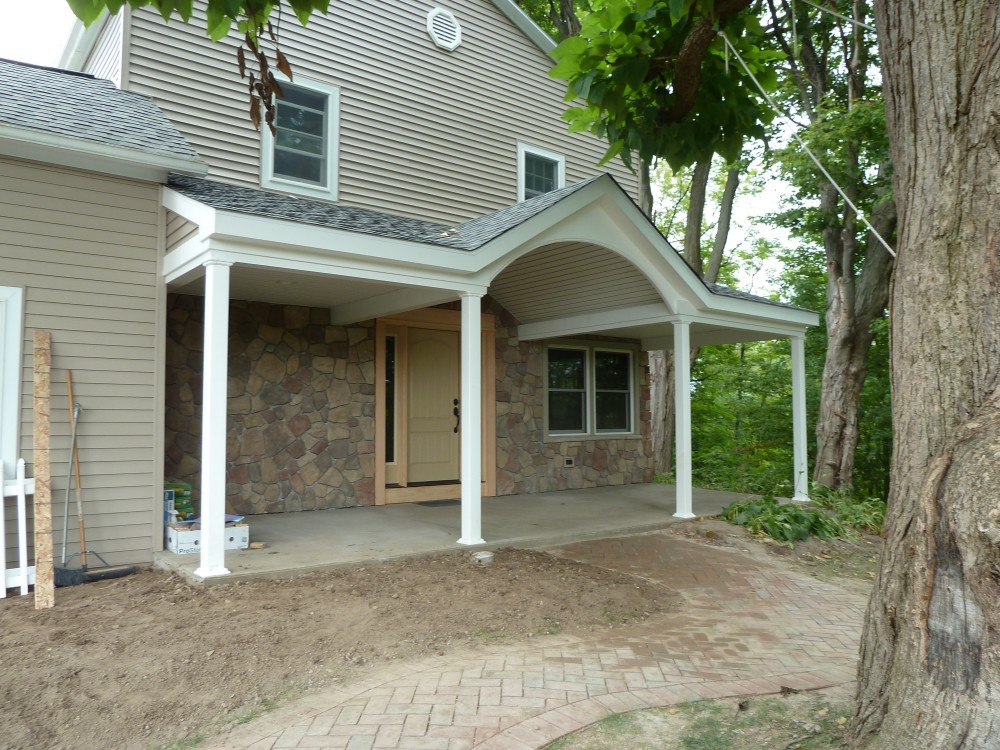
{"points": [[466, 236], [73, 110]]}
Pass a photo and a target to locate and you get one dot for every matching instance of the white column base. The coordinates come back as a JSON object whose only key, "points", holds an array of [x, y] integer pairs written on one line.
{"points": [[211, 572], [678, 514], [471, 542]]}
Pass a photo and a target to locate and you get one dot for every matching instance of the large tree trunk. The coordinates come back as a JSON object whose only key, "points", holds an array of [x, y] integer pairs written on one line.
{"points": [[851, 309], [930, 659]]}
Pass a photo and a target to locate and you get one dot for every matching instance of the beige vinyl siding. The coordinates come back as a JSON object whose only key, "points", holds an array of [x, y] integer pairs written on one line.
{"points": [[569, 279], [106, 59], [423, 132], [85, 249], [179, 229]]}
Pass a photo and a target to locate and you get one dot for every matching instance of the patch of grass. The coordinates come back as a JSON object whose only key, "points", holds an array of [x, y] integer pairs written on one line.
{"points": [[615, 731], [788, 523], [613, 617], [663, 478], [186, 743], [491, 635]]}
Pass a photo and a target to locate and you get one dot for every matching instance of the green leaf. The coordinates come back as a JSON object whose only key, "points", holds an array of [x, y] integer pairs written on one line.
{"points": [[87, 11]]}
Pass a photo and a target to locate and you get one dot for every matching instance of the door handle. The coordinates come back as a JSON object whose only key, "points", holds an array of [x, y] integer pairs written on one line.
{"points": [[457, 414]]}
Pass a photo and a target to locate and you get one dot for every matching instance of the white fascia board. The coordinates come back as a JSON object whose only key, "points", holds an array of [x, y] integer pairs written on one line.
{"points": [[754, 328], [81, 43], [353, 266], [78, 153], [196, 212], [523, 21], [595, 322], [293, 239]]}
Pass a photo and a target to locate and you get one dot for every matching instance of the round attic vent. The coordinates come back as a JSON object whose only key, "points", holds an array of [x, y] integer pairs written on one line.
{"points": [[444, 29]]}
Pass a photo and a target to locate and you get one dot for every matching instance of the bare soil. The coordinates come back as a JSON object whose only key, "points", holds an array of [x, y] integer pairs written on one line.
{"points": [[151, 661]]}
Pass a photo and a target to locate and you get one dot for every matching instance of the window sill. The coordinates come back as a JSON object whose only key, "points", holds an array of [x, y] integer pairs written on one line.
{"points": [[566, 437]]}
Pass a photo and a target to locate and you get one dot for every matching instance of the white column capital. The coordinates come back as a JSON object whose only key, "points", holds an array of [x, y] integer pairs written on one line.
{"points": [[472, 295], [214, 262]]}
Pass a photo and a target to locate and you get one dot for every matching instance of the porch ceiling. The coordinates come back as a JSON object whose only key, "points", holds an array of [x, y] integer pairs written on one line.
{"points": [[288, 287], [570, 278]]}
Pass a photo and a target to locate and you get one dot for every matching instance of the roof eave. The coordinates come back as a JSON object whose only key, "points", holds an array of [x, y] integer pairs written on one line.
{"points": [[79, 153], [523, 21]]}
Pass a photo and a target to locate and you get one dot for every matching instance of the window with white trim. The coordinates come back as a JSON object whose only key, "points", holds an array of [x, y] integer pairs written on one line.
{"points": [[302, 156], [590, 390], [11, 307], [539, 171]]}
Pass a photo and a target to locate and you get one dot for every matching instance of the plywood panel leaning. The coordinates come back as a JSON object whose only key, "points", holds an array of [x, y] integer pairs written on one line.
{"points": [[44, 573]]}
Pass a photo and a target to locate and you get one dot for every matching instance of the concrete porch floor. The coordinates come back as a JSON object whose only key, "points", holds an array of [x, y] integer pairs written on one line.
{"points": [[316, 540]]}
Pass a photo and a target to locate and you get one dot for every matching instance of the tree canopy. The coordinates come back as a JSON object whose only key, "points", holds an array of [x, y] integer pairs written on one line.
{"points": [[656, 78]]}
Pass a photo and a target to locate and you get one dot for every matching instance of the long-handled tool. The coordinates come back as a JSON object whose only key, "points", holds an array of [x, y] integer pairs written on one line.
{"points": [[75, 576]]}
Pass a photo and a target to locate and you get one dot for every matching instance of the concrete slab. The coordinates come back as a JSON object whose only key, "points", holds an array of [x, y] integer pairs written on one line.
{"points": [[317, 540]]}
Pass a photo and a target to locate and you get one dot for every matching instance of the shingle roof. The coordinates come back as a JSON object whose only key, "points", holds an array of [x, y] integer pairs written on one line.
{"points": [[78, 105], [469, 235]]}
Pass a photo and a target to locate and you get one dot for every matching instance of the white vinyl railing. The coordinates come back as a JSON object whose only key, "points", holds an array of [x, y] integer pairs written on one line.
{"points": [[21, 576]]}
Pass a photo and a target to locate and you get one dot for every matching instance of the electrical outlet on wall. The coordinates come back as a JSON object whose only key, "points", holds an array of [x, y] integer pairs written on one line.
{"points": [[568, 462]]}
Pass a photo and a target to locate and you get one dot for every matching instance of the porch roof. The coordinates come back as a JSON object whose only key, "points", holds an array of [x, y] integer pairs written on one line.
{"points": [[365, 264]]}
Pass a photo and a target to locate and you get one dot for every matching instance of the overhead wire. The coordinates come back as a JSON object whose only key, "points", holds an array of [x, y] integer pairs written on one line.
{"points": [[805, 147]]}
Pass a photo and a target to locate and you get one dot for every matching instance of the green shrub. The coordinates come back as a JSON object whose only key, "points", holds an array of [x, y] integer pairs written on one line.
{"points": [[786, 523], [864, 514]]}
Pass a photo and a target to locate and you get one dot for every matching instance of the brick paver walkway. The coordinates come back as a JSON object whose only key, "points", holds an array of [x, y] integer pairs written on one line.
{"points": [[746, 628]]}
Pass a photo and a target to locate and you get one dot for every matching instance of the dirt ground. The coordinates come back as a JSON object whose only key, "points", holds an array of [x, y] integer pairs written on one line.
{"points": [[150, 661]]}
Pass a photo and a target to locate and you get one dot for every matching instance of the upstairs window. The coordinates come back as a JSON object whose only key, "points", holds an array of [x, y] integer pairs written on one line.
{"points": [[538, 171], [302, 156]]}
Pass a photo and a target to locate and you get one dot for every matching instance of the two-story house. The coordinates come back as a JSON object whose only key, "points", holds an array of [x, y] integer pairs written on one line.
{"points": [[421, 287]]}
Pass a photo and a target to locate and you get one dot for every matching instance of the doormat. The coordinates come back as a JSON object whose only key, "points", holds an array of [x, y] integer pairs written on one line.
{"points": [[439, 503]]}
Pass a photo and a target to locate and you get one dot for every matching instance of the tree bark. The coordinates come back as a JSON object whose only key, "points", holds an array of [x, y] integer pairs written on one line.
{"points": [[929, 675], [852, 307]]}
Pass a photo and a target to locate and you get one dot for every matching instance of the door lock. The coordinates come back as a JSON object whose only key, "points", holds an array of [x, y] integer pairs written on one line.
{"points": [[457, 414]]}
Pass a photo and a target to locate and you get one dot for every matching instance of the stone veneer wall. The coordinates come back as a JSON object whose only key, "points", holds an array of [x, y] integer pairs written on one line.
{"points": [[301, 424], [526, 462]]}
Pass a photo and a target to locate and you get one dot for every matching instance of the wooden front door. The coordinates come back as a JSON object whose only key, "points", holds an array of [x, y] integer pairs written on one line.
{"points": [[418, 377], [433, 389]]}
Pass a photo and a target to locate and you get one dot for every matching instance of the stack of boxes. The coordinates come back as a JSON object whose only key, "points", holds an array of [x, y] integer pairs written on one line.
{"points": [[181, 530]]}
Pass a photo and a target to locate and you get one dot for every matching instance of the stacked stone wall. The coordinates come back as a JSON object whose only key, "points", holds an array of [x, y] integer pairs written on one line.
{"points": [[301, 412], [526, 461]]}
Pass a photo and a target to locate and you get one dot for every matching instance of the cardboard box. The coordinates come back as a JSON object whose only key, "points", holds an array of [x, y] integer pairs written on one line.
{"points": [[183, 540]]}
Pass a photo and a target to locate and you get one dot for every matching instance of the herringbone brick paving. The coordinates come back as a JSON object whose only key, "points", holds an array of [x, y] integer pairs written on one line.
{"points": [[745, 628]]}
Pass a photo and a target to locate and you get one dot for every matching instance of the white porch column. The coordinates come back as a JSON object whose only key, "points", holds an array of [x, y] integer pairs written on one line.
{"points": [[800, 455], [213, 421], [472, 419], [682, 418]]}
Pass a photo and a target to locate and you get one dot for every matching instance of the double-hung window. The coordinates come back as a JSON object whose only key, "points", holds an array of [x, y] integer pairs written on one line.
{"points": [[590, 391], [539, 171], [301, 156], [11, 304]]}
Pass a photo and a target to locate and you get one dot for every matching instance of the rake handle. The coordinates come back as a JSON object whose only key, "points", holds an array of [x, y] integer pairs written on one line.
{"points": [[76, 471]]}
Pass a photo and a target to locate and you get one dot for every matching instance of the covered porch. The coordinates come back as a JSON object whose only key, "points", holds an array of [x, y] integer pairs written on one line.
{"points": [[580, 275], [320, 540]]}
